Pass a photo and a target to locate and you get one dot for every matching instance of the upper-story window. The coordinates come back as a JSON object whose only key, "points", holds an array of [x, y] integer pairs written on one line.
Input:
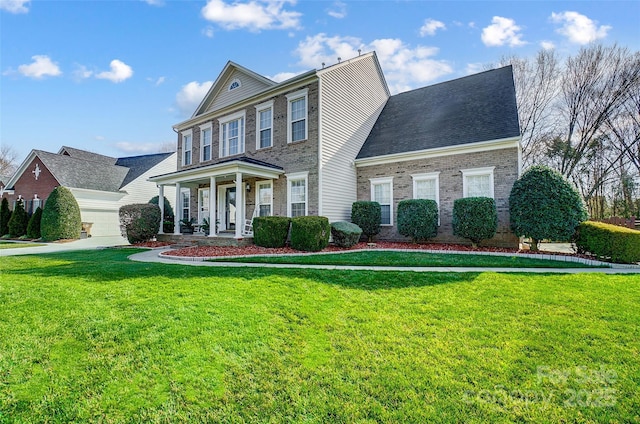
{"points": [[297, 116], [234, 84], [232, 135], [477, 182], [186, 148], [205, 142], [264, 125]]}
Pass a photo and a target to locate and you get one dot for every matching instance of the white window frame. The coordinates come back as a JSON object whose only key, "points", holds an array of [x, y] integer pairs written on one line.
{"points": [[258, 204], [292, 97], [297, 177], [378, 181], [224, 121], [426, 177], [208, 126], [475, 172], [261, 108], [187, 135], [232, 86], [184, 191]]}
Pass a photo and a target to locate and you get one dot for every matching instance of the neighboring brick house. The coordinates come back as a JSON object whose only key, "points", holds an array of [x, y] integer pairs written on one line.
{"points": [[314, 144], [100, 184]]}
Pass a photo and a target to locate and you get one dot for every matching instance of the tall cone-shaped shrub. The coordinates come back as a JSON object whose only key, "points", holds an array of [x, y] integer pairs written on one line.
{"points": [[61, 216]]}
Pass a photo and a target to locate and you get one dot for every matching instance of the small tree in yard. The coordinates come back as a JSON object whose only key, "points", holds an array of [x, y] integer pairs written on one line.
{"points": [[418, 219], [19, 220], [139, 222], [544, 205], [5, 216], [61, 216], [33, 229], [367, 216], [475, 218]]}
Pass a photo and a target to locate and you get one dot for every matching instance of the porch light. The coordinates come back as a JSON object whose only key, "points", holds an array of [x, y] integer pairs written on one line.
{"points": [[248, 187]]}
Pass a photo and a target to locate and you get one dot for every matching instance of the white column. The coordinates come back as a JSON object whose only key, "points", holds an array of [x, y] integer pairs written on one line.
{"points": [[178, 211], [239, 205], [212, 207], [161, 204]]}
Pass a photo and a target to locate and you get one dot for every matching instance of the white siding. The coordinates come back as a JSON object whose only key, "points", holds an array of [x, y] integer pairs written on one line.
{"points": [[352, 97], [140, 190], [248, 87]]}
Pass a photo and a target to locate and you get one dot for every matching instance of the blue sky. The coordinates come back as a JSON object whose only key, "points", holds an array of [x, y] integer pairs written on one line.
{"points": [[114, 76]]}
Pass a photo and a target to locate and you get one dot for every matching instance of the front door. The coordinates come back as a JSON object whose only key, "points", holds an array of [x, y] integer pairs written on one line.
{"points": [[230, 208]]}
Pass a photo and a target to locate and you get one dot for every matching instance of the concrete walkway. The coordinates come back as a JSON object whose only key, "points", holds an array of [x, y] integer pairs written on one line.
{"points": [[66, 246], [153, 256]]}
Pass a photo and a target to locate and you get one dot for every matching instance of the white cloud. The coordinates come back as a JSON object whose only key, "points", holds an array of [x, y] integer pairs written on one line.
{"points": [[208, 31], [41, 67], [81, 72], [139, 148], [547, 45], [474, 68], [154, 2], [156, 81], [283, 76], [190, 96], [502, 31], [578, 28], [255, 15], [338, 10], [431, 26], [15, 6], [404, 67], [119, 72]]}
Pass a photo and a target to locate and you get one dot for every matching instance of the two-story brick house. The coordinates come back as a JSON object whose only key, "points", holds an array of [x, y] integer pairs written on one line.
{"points": [[314, 144]]}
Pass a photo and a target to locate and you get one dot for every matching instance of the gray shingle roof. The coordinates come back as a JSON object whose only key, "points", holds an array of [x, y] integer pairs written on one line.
{"points": [[81, 173], [138, 165], [83, 154], [471, 109]]}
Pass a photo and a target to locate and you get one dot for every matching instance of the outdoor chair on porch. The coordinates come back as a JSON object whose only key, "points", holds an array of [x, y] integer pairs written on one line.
{"points": [[248, 223]]}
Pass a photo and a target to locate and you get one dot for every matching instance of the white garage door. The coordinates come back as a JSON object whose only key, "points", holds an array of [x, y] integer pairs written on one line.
{"points": [[105, 223]]}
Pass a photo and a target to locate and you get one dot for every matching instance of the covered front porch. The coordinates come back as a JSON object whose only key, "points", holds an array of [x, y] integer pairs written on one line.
{"points": [[224, 194]]}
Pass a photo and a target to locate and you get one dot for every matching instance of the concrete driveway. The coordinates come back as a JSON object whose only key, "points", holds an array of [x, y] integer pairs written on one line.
{"points": [[84, 244]]}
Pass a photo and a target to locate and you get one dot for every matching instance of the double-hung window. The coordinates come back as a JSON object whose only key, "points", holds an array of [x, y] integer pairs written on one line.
{"points": [[264, 198], [205, 143], [186, 148], [426, 186], [297, 116], [477, 182], [186, 202], [382, 192], [297, 193], [232, 135], [264, 125]]}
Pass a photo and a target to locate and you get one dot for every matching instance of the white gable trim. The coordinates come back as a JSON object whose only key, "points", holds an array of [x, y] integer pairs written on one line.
{"points": [[482, 146]]}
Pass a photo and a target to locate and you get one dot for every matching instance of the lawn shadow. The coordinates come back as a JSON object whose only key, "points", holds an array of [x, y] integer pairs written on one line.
{"points": [[113, 265]]}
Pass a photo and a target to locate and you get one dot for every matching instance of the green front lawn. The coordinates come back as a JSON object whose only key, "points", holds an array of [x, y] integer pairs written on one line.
{"points": [[92, 337], [11, 245], [408, 259]]}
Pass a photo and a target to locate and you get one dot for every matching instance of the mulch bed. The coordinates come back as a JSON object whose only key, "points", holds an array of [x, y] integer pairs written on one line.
{"points": [[216, 251]]}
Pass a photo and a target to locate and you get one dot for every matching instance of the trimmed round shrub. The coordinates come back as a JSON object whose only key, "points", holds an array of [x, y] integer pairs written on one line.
{"points": [[475, 218], [544, 205], [271, 231], [367, 216], [310, 233], [33, 229], [345, 234], [19, 220], [5, 216], [418, 219], [61, 216], [139, 222], [168, 210]]}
